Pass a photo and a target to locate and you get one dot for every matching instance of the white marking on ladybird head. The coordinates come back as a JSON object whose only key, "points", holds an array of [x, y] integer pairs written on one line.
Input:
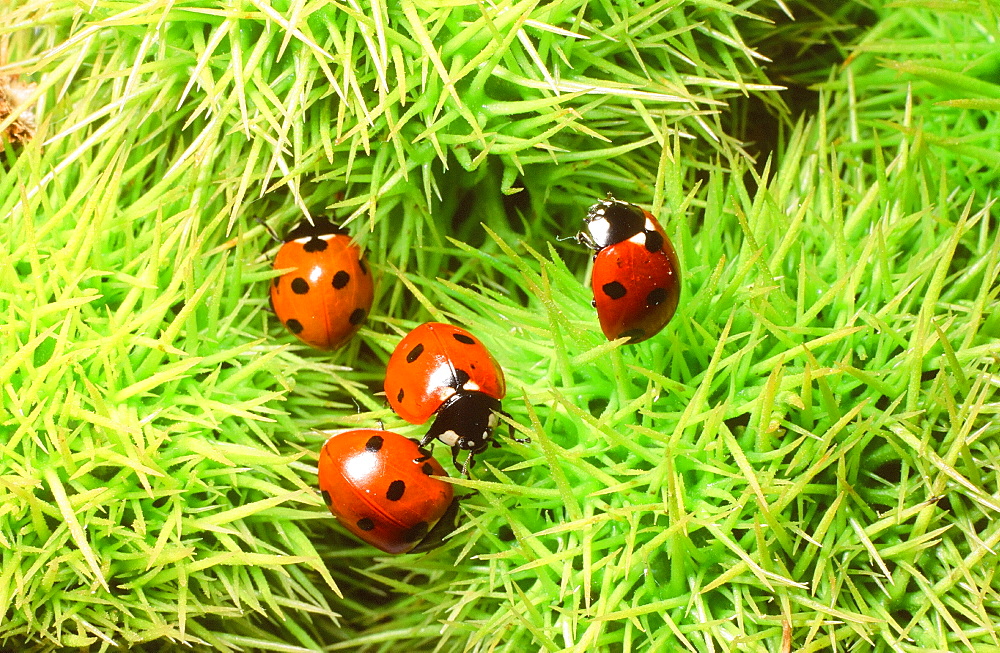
{"points": [[599, 229], [306, 239], [449, 438], [471, 385], [639, 239]]}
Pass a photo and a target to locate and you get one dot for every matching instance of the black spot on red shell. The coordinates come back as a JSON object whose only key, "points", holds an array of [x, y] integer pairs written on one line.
{"points": [[654, 241], [614, 290], [426, 468], [416, 532], [399, 397], [415, 353], [464, 339], [300, 286], [634, 335], [656, 297], [374, 443], [341, 279], [357, 316], [326, 497], [294, 326], [315, 245], [277, 280], [366, 524], [395, 491]]}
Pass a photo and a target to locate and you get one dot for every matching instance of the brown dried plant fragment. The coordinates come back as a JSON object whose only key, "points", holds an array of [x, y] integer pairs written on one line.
{"points": [[14, 98], [14, 95]]}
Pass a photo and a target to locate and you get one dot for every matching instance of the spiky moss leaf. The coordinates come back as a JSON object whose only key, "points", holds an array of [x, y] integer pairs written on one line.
{"points": [[320, 87], [749, 478], [804, 454], [145, 495], [141, 487], [806, 458]]}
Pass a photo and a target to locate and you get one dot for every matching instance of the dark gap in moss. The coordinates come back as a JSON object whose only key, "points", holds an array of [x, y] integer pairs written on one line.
{"points": [[597, 405], [104, 473], [890, 471], [902, 617], [418, 579], [737, 422], [960, 259], [517, 205], [463, 211]]}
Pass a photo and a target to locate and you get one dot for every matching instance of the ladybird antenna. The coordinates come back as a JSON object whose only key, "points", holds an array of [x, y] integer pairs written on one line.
{"points": [[268, 228]]}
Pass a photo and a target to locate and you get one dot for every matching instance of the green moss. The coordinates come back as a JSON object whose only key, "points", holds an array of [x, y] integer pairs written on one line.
{"points": [[805, 459]]}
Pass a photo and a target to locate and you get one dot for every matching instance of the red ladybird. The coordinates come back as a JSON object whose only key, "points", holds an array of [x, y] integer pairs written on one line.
{"points": [[379, 486], [636, 277], [443, 370], [326, 296]]}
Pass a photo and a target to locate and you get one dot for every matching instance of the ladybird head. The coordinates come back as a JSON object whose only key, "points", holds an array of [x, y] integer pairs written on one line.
{"points": [[318, 228], [465, 422], [611, 221]]}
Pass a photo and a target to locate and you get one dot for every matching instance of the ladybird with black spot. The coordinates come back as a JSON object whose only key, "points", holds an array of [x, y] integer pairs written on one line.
{"points": [[444, 371], [382, 488], [326, 291], [636, 277]]}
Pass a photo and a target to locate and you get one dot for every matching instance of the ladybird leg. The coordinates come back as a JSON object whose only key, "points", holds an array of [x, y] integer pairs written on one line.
{"points": [[469, 462], [464, 468], [426, 446], [510, 427]]}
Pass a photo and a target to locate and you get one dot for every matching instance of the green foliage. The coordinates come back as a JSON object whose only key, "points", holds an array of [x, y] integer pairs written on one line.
{"points": [[805, 459]]}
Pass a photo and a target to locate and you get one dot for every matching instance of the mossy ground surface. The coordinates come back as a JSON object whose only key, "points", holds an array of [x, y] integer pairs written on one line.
{"points": [[805, 459]]}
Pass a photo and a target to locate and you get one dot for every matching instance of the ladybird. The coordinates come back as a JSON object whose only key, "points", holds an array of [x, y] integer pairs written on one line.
{"points": [[636, 277], [380, 486], [443, 370], [327, 292]]}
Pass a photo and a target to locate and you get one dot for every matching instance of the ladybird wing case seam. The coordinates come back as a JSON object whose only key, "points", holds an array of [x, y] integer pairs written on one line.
{"points": [[480, 375], [446, 349]]}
